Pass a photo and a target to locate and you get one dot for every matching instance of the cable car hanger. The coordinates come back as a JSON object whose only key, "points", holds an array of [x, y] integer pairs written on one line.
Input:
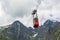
{"points": [[35, 19], [35, 16]]}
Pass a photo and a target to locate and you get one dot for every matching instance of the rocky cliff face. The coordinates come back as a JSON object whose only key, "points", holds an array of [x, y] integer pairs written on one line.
{"points": [[48, 31]]}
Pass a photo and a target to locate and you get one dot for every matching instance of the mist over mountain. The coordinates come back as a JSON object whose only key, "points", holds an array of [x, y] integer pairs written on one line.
{"points": [[18, 31]]}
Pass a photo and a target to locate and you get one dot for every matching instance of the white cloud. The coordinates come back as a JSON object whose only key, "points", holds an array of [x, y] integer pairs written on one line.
{"points": [[17, 8], [48, 7], [11, 10], [4, 18]]}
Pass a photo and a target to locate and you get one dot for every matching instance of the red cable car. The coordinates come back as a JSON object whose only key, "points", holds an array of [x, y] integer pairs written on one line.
{"points": [[35, 19]]}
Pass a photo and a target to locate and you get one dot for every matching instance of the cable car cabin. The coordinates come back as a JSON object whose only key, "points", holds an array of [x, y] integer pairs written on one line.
{"points": [[35, 19], [35, 22]]}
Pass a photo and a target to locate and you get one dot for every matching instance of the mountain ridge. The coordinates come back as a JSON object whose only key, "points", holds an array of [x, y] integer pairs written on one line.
{"points": [[18, 31]]}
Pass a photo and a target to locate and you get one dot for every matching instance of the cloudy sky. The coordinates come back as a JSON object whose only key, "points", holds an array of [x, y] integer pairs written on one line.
{"points": [[11, 10]]}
